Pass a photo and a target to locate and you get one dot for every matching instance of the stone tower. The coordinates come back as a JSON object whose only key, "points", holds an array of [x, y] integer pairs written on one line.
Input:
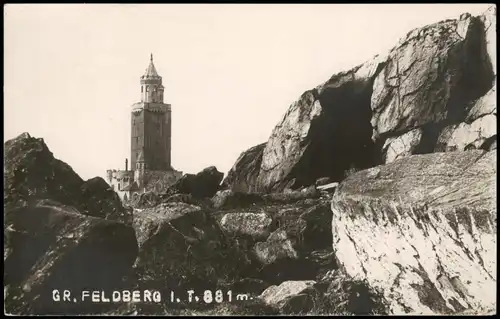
{"points": [[151, 124]]}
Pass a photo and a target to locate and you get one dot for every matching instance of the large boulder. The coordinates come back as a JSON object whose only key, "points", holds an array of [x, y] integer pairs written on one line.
{"points": [[204, 184], [423, 230], [431, 77], [242, 177], [50, 246], [300, 248], [96, 196], [32, 173], [255, 225], [181, 246]]}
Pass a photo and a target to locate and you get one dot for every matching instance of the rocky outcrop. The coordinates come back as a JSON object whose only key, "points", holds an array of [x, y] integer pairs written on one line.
{"points": [[423, 230], [52, 246], [32, 173], [242, 177], [204, 184], [438, 81]]}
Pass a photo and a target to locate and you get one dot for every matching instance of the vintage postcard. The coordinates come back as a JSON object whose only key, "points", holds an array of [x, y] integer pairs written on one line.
{"points": [[250, 159]]}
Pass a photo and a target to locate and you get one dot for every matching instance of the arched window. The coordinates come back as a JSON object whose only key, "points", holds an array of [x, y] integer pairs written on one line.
{"points": [[147, 88], [142, 89]]}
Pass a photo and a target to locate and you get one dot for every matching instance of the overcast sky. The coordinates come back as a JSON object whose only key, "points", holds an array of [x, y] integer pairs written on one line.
{"points": [[229, 71]]}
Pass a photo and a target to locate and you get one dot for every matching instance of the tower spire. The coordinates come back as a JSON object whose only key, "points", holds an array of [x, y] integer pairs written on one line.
{"points": [[151, 57]]}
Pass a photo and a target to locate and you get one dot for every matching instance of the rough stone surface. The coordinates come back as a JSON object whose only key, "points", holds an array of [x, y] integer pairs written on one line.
{"points": [[431, 76], [97, 196], [422, 229], [247, 224], [292, 196], [478, 134], [485, 105], [243, 175], [300, 248], [401, 146], [323, 181], [489, 19], [32, 173], [228, 198], [52, 246], [278, 246], [290, 296], [204, 184], [181, 245]]}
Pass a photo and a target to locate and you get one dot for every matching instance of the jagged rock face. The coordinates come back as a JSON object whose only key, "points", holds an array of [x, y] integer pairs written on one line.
{"points": [[437, 78], [52, 246], [204, 184], [181, 246], [32, 173], [431, 77], [422, 229], [242, 177]]}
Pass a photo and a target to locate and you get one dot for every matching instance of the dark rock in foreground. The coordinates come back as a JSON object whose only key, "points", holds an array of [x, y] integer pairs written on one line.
{"points": [[51, 246], [181, 246]]}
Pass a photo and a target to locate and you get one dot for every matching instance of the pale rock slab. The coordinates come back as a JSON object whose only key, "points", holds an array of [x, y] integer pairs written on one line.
{"points": [[401, 146], [423, 230]]}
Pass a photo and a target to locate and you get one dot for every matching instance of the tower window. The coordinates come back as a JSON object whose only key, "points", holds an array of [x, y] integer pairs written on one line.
{"points": [[142, 89], [147, 88]]}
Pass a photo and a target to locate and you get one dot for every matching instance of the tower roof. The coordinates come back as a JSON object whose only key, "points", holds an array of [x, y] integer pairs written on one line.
{"points": [[151, 70]]}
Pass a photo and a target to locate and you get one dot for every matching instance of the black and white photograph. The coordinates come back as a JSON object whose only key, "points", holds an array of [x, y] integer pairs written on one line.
{"points": [[250, 159]]}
